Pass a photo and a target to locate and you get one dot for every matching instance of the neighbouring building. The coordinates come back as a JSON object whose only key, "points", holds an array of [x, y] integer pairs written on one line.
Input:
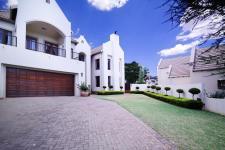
{"points": [[107, 63], [39, 57], [201, 67]]}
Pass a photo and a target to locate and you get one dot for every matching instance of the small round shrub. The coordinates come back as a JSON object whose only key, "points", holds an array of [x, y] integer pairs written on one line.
{"points": [[194, 91], [110, 87], [158, 88], [137, 88], [121, 87], [167, 89], [104, 87], [180, 91], [153, 87]]}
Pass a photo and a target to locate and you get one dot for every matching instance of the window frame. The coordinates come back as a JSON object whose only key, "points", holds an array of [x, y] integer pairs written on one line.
{"points": [[97, 81], [97, 64]]}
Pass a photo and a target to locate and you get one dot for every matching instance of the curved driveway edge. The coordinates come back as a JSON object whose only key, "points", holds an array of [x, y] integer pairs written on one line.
{"points": [[75, 124]]}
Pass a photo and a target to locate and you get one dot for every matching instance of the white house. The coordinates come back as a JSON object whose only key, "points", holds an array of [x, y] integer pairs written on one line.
{"points": [[108, 65], [38, 57], [198, 68]]}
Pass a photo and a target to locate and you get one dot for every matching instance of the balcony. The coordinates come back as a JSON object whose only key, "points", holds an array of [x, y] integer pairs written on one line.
{"points": [[6, 38], [47, 48]]}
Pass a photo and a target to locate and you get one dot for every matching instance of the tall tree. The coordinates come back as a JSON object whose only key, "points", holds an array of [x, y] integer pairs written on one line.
{"points": [[194, 11], [132, 72], [186, 11]]}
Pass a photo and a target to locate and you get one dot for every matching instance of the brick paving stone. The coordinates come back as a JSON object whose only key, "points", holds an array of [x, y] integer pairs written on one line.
{"points": [[61, 123]]}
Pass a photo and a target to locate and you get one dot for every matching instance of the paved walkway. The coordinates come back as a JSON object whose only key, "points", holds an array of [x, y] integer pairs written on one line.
{"points": [[74, 124]]}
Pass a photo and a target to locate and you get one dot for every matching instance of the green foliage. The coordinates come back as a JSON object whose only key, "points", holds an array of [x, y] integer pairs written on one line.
{"points": [[158, 88], [83, 87], [104, 87], [109, 92], [132, 72], [110, 87], [194, 91], [180, 91], [153, 87], [137, 88], [182, 102], [121, 87], [167, 89]]}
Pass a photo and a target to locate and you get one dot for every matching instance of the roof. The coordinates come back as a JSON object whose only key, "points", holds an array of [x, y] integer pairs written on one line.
{"points": [[209, 59], [180, 66], [96, 50]]}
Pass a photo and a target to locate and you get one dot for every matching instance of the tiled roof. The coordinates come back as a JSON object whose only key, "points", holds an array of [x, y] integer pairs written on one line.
{"points": [[209, 59], [96, 50], [180, 66]]}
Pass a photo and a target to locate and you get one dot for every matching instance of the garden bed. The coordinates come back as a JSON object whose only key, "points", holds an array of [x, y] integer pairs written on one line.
{"points": [[182, 102]]}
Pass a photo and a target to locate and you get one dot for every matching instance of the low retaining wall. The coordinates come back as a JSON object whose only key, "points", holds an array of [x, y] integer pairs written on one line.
{"points": [[215, 105]]}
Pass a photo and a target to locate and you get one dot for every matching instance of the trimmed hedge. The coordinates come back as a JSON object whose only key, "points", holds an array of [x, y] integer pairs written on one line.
{"points": [[182, 102], [109, 92]]}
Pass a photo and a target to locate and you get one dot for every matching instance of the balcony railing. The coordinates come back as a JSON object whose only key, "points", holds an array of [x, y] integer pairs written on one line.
{"points": [[74, 55], [8, 40], [45, 48]]}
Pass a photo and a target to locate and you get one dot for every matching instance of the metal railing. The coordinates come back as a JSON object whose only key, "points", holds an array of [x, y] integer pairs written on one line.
{"points": [[45, 48], [8, 40]]}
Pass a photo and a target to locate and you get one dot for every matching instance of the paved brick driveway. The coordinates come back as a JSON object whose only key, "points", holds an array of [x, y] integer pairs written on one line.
{"points": [[73, 123]]}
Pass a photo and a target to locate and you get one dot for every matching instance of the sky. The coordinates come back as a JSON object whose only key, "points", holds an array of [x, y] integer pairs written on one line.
{"points": [[144, 34]]}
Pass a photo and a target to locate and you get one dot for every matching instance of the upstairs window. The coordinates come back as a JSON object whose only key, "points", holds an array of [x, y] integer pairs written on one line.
{"points": [[81, 57], [109, 64], [5, 37], [97, 64], [48, 1]]}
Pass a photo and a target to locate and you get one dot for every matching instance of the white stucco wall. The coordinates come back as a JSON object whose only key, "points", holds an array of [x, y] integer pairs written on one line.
{"points": [[215, 105], [113, 50]]}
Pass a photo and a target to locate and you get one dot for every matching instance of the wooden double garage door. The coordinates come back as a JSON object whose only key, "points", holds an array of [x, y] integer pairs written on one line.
{"points": [[30, 83]]}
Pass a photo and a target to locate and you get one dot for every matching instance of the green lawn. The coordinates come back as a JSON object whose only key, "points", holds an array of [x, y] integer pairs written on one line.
{"points": [[189, 129]]}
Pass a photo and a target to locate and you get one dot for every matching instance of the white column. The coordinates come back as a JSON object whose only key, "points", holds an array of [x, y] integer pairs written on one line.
{"points": [[76, 85], [2, 81]]}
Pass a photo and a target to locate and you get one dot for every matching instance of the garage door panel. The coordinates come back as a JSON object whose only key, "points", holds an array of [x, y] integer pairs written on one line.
{"points": [[29, 83]]}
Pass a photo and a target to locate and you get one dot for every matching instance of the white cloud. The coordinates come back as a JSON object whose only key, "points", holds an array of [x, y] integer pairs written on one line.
{"points": [[193, 35], [10, 3], [178, 49], [107, 5]]}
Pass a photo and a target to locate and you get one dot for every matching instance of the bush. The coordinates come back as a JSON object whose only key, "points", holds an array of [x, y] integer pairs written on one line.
{"points": [[148, 87], [167, 89], [110, 87], [218, 94], [180, 91], [194, 91], [153, 87], [158, 88], [137, 88], [104, 87], [109, 92], [83, 87], [121, 87], [182, 102]]}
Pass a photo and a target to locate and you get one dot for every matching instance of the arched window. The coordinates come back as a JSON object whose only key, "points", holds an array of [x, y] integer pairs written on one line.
{"points": [[81, 57]]}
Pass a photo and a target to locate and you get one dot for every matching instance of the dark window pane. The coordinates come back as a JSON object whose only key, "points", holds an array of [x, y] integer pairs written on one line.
{"points": [[109, 81], [109, 64], [97, 64], [97, 81]]}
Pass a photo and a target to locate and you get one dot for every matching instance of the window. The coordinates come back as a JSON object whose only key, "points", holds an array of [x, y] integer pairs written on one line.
{"points": [[48, 1], [221, 84], [81, 57], [97, 78], [109, 81], [109, 64], [31, 43], [97, 64], [5, 37]]}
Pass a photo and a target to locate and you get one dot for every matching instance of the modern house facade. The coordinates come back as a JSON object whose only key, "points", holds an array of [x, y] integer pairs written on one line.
{"points": [[201, 67], [38, 56], [107, 63]]}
